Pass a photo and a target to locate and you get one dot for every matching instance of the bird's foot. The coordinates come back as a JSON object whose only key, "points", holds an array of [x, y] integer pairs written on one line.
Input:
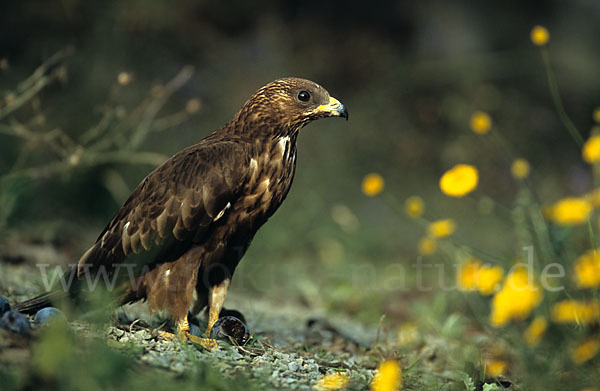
{"points": [[207, 343]]}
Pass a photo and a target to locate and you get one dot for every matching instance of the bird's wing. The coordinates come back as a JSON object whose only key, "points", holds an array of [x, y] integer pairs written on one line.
{"points": [[174, 206]]}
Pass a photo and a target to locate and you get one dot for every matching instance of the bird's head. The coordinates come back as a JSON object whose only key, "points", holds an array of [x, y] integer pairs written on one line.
{"points": [[288, 104]]}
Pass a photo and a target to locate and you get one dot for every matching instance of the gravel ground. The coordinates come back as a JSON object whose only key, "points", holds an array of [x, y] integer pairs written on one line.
{"points": [[291, 346]]}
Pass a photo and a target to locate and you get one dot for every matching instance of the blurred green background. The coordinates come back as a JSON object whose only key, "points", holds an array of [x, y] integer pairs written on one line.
{"points": [[411, 73]]}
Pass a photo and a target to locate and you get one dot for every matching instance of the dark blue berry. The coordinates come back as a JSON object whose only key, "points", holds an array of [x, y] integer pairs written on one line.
{"points": [[48, 315], [4, 305], [15, 322]]}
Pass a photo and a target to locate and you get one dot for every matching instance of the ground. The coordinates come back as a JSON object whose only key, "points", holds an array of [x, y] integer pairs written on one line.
{"points": [[293, 345]]}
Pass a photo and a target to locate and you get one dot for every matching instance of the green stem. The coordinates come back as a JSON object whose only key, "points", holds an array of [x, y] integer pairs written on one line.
{"points": [[558, 104]]}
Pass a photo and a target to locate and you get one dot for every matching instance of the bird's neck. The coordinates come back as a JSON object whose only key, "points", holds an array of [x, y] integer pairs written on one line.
{"points": [[257, 125]]}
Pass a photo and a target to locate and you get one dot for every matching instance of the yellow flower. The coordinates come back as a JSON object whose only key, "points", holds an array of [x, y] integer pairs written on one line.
{"points": [[596, 114], [480, 122], [488, 279], [414, 206], [496, 368], [388, 377], [441, 228], [537, 328], [585, 351], [427, 246], [575, 311], [459, 180], [587, 270], [472, 275], [520, 168], [516, 299], [539, 35], [467, 274], [571, 211], [332, 381], [591, 150], [372, 184]]}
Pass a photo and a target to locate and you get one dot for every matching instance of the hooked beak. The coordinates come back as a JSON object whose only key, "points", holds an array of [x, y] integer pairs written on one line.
{"points": [[334, 108]]}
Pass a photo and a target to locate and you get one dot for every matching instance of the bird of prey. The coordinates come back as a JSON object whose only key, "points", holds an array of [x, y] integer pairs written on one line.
{"points": [[189, 222]]}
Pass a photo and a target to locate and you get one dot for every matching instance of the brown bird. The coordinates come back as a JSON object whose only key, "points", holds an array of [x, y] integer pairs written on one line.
{"points": [[189, 222]]}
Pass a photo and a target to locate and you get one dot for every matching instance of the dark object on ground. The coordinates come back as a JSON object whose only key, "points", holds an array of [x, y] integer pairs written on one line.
{"points": [[234, 313], [231, 328], [15, 322], [48, 315], [4, 306], [189, 222]]}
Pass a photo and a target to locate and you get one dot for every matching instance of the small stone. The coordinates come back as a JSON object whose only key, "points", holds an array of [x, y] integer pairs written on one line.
{"points": [[143, 335], [118, 332], [124, 339], [293, 366]]}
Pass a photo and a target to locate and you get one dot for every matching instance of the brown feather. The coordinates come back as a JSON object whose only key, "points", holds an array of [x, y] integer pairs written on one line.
{"points": [[191, 220]]}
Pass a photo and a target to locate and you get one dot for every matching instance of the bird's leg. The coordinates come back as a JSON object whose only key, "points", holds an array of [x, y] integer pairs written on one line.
{"points": [[216, 299], [183, 333]]}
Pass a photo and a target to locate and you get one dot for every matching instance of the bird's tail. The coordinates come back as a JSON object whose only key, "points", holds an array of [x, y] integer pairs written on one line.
{"points": [[35, 304]]}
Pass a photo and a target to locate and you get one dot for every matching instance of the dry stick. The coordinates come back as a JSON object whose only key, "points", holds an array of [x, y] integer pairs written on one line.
{"points": [[154, 106], [35, 83]]}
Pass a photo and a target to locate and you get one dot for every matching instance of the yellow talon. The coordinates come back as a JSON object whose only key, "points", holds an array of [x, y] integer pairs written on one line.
{"points": [[183, 334], [206, 343]]}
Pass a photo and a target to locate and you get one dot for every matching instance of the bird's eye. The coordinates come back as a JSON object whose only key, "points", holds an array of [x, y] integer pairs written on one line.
{"points": [[304, 96]]}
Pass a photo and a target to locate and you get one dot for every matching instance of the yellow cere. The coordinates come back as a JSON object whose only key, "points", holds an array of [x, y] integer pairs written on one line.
{"points": [[414, 206], [388, 377], [517, 298], [480, 122], [587, 270], [585, 351], [441, 228], [535, 331], [459, 180], [332, 381], [575, 312], [591, 150], [571, 211], [539, 35], [427, 246], [475, 276], [520, 168], [372, 184]]}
